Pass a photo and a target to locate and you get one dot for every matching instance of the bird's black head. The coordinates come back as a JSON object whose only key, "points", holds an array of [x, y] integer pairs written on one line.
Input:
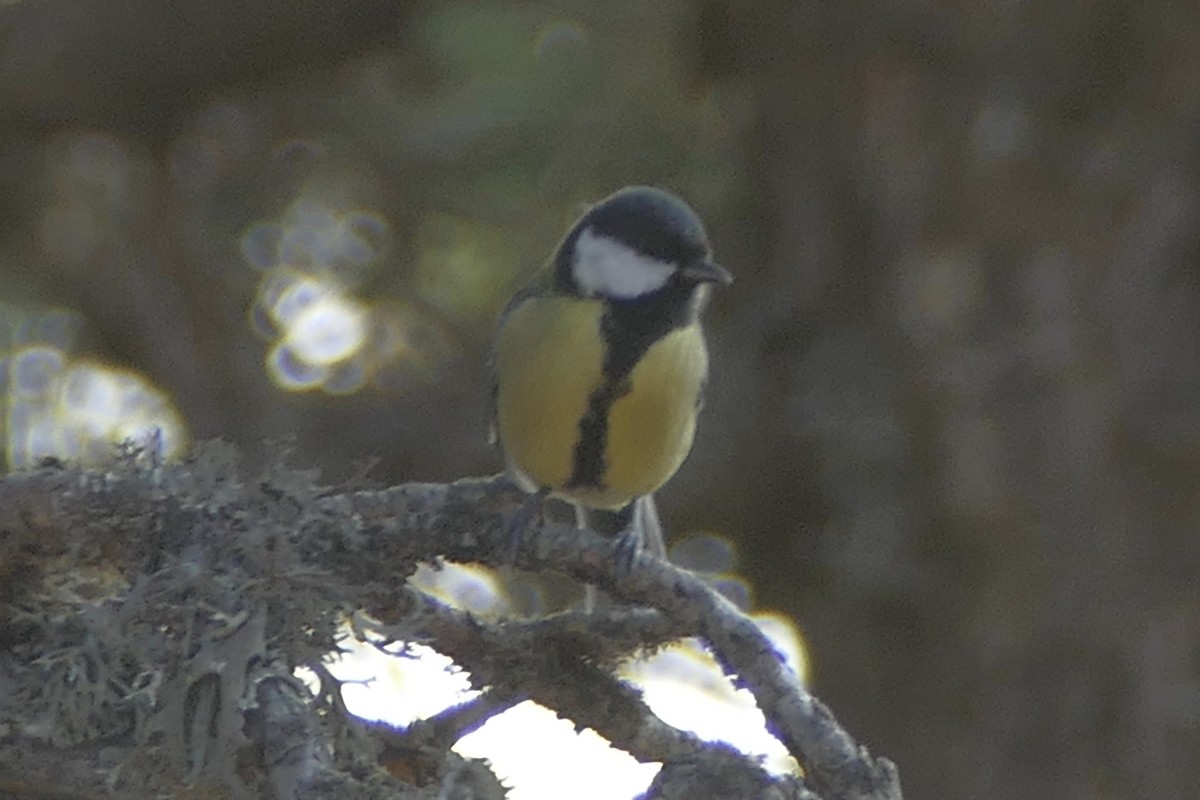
{"points": [[634, 244]]}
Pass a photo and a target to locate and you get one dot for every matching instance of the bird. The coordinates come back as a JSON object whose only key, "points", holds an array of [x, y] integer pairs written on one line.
{"points": [[600, 364]]}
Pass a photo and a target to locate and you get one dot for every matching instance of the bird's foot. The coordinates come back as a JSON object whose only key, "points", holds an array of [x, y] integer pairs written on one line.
{"points": [[641, 532], [532, 511], [629, 547]]}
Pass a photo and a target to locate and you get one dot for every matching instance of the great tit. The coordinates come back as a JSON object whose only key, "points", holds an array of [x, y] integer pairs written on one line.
{"points": [[600, 365]]}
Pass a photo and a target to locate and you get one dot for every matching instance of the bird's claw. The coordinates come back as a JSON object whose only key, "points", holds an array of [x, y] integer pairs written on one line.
{"points": [[533, 508], [629, 547]]}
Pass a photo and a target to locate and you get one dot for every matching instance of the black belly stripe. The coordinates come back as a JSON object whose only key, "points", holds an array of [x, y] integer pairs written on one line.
{"points": [[589, 461], [629, 330]]}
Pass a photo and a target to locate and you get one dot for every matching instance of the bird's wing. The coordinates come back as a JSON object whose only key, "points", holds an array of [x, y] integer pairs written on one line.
{"points": [[534, 289]]}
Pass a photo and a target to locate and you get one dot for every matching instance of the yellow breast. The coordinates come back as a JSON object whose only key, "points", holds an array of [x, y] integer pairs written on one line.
{"points": [[550, 357]]}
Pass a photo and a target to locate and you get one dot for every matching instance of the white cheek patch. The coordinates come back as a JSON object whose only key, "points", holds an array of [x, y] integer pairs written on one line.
{"points": [[605, 267]]}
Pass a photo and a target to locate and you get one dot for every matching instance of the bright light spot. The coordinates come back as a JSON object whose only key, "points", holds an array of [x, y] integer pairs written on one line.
{"points": [[539, 755], [80, 410], [290, 295], [784, 634], [98, 406], [530, 748], [323, 336], [291, 372], [321, 332], [421, 683], [94, 398], [328, 330], [399, 689], [468, 587], [542, 756], [687, 689]]}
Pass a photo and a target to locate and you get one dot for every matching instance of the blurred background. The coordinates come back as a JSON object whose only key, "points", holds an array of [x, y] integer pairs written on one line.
{"points": [[953, 429]]}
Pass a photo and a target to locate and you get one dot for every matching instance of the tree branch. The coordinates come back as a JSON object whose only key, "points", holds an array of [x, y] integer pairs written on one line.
{"points": [[165, 607]]}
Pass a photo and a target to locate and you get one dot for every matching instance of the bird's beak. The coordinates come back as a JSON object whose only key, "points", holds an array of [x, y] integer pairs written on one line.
{"points": [[707, 272]]}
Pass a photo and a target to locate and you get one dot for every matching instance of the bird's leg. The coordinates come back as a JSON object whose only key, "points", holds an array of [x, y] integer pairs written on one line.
{"points": [[590, 592], [641, 529], [630, 538], [533, 508], [653, 538]]}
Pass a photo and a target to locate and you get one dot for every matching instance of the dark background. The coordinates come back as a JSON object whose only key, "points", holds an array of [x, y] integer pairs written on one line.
{"points": [[953, 428]]}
